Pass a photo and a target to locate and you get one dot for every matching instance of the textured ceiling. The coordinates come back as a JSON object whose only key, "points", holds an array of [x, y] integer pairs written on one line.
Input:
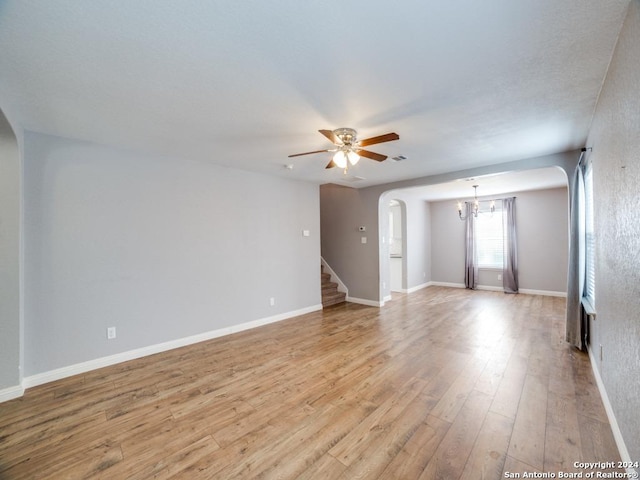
{"points": [[494, 184], [243, 84]]}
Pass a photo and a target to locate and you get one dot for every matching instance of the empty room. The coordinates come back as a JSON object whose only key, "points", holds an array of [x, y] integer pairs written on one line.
{"points": [[313, 240]]}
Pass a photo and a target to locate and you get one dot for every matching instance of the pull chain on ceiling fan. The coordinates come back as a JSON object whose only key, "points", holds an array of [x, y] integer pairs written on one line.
{"points": [[348, 149]]}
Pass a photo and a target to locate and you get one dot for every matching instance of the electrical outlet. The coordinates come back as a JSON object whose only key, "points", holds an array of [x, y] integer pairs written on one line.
{"points": [[111, 333], [499, 276], [272, 301]]}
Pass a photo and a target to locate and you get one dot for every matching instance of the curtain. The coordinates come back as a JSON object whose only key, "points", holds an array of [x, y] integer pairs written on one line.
{"points": [[470, 257], [575, 329], [510, 264]]}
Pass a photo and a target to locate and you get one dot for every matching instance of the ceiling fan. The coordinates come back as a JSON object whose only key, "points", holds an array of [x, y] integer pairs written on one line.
{"points": [[349, 148]]}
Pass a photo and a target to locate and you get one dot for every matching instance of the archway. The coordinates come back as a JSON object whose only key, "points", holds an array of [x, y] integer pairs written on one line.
{"points": [[10, 259], [393, 245]]}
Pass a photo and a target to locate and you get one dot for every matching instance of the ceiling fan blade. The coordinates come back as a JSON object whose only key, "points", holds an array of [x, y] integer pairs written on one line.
{"points": [[331, 136], [387, 137], [331, 164], [308, 153], [372, 155]]}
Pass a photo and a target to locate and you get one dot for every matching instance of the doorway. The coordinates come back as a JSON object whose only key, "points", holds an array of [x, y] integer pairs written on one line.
{"points": [[397, 249]]}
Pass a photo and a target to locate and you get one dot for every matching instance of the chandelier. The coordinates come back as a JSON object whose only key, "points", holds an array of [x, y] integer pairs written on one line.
{"points": [[475, 206]]}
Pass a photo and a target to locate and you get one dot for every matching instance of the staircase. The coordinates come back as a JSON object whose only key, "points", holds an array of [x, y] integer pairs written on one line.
{"points": [[330, 293]]}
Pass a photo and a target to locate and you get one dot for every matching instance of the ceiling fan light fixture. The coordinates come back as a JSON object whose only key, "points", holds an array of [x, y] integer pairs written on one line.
{"points": [[340, 159], [353, 157], [348, 149]]}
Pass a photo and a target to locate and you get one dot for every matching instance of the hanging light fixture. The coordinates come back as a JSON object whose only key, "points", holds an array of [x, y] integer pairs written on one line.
{"points": [[475, 209], [345, 155]]}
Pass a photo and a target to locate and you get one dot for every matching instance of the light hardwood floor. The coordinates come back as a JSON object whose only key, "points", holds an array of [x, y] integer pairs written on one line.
{"points": [[443, 383]]}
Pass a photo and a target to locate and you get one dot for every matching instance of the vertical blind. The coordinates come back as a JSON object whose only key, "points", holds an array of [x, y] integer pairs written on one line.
{"points": [[590, 245]]}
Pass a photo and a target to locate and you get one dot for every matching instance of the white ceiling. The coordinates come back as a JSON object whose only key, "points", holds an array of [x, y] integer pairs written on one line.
{"points": [[493, 185], [245, 83]]}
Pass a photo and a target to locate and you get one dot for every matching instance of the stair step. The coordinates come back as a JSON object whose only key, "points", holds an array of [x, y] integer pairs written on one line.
{"points": [[329, 287], [333, 299], [330, 294]]}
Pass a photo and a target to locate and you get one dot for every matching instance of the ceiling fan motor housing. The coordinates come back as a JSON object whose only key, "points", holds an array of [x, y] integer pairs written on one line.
{"points": [[346, 135], [347, 144]]}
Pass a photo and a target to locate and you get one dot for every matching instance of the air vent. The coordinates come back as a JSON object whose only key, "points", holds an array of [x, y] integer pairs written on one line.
{"points": [[352, 178], [399, 158]]}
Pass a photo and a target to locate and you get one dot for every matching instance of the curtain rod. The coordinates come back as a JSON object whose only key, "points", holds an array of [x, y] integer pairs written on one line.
{"points": [[583, 153], [493, 199]]}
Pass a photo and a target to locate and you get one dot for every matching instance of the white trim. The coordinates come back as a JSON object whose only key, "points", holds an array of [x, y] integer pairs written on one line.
{"points": [[419, 287], [447, 284], [409, 290], [83, 367], [526, 291], [615, 428], [11, 393], [589, 309], [398, 290], [334, 277], [548, 293], [387, 298], [364, 301], [491, 288]]}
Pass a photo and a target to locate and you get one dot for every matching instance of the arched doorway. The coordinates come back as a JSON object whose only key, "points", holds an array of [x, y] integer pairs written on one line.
{"points": [[397, 251], [10, 259], [393, 245]]}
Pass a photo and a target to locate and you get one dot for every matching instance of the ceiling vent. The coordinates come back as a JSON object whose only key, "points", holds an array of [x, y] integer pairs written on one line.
{"points": [[352, 178], [398, 158]]}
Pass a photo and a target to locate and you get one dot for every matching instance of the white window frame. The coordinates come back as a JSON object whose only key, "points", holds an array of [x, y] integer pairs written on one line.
{"points": [[495, 239]]}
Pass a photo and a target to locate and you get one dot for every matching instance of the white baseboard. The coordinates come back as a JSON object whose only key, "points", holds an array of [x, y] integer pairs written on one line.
{"points": [[83, 367], [10, 393], [526, 291], [447, 284], [490, 288], [419, 287], [615, 428], [548, 293], [364, 301]]}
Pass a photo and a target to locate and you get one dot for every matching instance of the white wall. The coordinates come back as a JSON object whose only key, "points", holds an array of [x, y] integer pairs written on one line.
{"points": [[10, 321], [416, 254], [343, 208], [542, 230], [342, 211], [447, 243], [160, 248], [364, 267], [615, 139], [543, 239]]}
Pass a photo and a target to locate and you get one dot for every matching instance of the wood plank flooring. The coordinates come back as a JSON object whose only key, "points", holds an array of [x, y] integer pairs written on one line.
{"points": [[443, 383]]}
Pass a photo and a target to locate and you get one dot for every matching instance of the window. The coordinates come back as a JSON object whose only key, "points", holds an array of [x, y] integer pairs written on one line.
{"points": [[490, 239], [590, 245]]}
